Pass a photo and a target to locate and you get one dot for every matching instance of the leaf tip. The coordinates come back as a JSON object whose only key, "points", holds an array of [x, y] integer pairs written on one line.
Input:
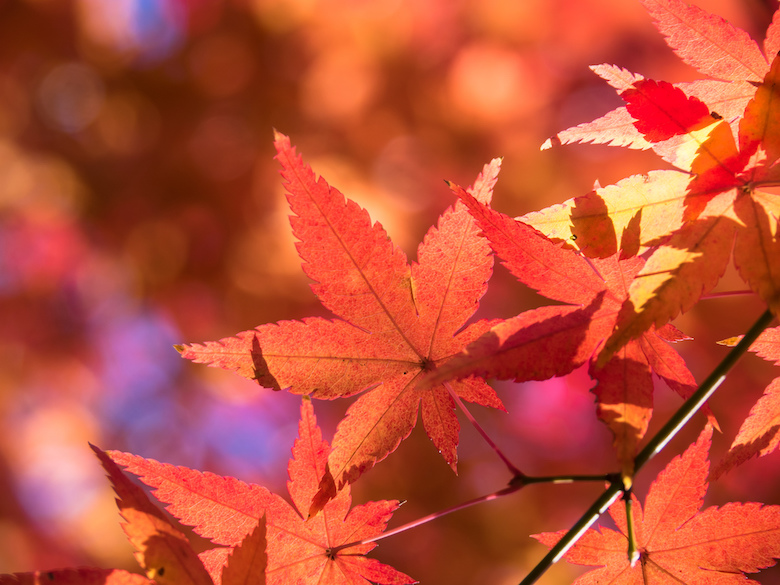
{"points": [[98, 451], [550, 142], [730, 342]]}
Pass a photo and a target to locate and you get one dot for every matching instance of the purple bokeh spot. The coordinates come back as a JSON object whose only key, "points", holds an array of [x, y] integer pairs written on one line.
{"points": [[158, 27]]}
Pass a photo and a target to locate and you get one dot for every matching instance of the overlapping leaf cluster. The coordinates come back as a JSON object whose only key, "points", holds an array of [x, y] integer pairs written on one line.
{"points": [[619, 262], [677, 541], [260, 538], [675, 228]]}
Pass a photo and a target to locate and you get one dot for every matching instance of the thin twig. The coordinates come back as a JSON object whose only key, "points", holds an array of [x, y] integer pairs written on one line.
{"points": [[726, 293], [517, 482], [603, 477], [516, 473], [425, 519]]}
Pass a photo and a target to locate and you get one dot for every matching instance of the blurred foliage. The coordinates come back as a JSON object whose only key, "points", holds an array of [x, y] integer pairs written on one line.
{"points": [[140, 207]]}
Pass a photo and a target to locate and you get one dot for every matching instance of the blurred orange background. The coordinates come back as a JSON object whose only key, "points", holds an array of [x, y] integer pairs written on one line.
{"points": [[140, 206]]}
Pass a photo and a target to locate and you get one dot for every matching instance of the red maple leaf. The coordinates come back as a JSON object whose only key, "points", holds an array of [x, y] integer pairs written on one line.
{"points": [[395, 322], [553, 340], [760, 431], [661, 111], [677, 541], [731, 60], [319, 550]]}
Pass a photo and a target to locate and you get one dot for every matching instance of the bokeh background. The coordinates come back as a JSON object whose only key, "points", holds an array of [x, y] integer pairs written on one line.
{"points": [[140, 207]]}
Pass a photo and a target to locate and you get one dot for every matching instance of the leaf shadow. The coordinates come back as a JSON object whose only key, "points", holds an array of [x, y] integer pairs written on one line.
{"points": [[592, 226], [263, 374], [594, 229]]}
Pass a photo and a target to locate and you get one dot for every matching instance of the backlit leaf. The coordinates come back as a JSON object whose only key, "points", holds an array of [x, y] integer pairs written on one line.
{"points": [[677, 541], [707, 42], [395, 322], [299, 549], [163, 551]]}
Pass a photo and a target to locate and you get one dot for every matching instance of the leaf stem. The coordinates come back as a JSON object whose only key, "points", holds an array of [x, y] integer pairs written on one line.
{"points": [[633, 551], [608, 478], [726, 293], [516, 484], [425, 519], [654, 446], [516, 473]]}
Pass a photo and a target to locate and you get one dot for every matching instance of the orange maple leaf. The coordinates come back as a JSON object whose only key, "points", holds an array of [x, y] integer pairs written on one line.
{"points": [[322, 550], [162, 550], [395, 322], [760, 431], [677, 541]]}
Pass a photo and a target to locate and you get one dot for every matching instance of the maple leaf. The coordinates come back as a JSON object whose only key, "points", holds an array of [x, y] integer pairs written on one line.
{"points": [[677, 541], [759, 434], [661, 111], [302, 551], [639, 208], [680, 127], [394, 323], [162, 550], [707, 42], [553, 340]]}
